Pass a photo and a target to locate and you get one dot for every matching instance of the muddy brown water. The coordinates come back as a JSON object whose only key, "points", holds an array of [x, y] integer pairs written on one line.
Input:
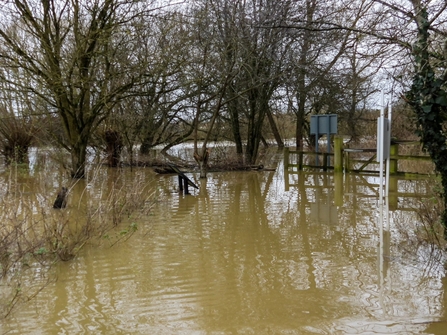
{"points": [[252, 253]]}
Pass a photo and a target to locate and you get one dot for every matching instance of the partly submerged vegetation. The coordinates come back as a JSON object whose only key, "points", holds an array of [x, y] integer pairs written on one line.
{"points": [[104, 208], [34, 236]]}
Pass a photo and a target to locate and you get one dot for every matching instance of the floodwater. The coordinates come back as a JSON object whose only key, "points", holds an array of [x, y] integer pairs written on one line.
{"points": [[253, 253]]}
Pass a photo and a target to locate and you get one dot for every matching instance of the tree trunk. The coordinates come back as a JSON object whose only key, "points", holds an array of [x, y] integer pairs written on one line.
{"points": [[235, 128], [275, 130], [300, 121], [428, 99], [78, 159], [258, 107], [146, 145], [301, 76], [202, 161], [15, 153], [114, 145]]}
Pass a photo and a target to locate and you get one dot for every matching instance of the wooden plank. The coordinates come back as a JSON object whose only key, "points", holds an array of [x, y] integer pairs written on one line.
{"points": [[369, 161], [181, 174], [175, 168], [413, 158]]}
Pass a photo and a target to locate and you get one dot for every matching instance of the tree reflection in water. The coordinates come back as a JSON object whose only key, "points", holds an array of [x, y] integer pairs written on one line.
{"points": [[250, 252]]}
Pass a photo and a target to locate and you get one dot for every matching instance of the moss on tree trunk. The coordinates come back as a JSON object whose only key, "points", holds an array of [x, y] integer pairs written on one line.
{"points": [[428, 98]]}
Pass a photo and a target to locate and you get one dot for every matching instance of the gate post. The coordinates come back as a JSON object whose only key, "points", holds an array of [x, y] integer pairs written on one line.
{"points": [[394, 151], [180, 183], [338, 154], [286, 158], [185, 185]]}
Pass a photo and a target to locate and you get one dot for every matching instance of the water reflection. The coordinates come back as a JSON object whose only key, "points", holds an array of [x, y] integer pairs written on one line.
{"points": [[250, 253]]}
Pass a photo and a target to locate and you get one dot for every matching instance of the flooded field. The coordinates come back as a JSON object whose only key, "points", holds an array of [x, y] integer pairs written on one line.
{"points": [[251, 253]]}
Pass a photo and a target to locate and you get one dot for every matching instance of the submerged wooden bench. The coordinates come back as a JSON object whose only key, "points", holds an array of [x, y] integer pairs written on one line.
{"points": [[183, 180]]}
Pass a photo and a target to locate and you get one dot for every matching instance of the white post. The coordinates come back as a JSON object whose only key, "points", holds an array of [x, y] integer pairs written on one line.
{"points": [[380, 154], [380, 146], [387, 178]]}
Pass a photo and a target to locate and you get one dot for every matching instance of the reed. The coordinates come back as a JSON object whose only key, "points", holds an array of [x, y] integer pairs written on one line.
{"points": [[34, 236]]}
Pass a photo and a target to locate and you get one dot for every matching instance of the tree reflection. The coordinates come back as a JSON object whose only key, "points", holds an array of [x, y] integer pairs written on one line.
{"points": [[242, 255]]}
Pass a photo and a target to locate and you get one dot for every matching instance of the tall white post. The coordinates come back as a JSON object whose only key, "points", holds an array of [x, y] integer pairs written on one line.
{"points": [[387, 178], [380, 133]]}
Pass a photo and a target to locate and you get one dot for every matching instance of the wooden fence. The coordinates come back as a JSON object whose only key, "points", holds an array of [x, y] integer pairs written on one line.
{"points": [[350, 159]]}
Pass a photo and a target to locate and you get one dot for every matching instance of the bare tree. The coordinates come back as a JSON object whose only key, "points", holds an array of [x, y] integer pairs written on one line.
{"points": [[357, 83], [319, 52], [258, 52], [19, 122], [70, 49], [207, 76], [152, 114]]}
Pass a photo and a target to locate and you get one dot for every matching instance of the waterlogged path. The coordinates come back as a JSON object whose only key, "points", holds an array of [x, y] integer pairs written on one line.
{"points": [[252, 253]]}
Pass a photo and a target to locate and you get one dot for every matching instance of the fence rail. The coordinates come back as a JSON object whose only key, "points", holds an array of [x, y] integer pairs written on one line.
{"points": [[347, 160]]}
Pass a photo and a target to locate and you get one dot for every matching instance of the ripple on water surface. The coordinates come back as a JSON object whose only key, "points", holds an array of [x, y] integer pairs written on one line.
{"points": [[240, 256]]}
